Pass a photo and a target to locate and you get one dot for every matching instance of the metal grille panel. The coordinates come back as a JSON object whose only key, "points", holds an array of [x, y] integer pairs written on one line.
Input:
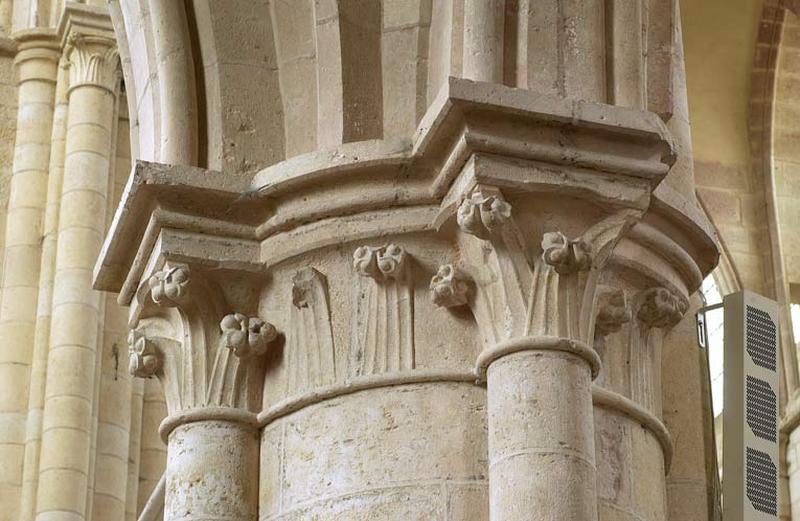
{"points": [[762, 482], [762, 338], [761, 408]]}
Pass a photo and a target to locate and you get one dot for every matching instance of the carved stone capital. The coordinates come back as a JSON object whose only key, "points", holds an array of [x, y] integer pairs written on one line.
{"points": [[380, 263], [566, 255], [612, 312], [143, 359], [208, 359], [483, 213], [246, 336], [659, 307], [447, 290], [94, 60]]}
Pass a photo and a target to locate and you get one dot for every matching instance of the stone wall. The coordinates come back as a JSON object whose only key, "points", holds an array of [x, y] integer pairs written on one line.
{"points": [[719, 85], [787, 144]]}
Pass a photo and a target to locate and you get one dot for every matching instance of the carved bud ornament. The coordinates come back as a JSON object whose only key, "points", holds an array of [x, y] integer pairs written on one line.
{"points": [[565, 255], [660, 308], [385, 262], [482, 215], [612, 312], [446, 289], [143, 360], [245, 336], [169, 285]]}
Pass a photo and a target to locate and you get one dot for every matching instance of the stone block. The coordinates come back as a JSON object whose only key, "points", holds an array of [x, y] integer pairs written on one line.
{"points": [[467, 501], [722, 206], [423, 433]]}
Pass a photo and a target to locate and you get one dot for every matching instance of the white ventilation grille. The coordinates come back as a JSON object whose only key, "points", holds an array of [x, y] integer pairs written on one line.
{"points": [[762, 482], [750, 421], [761, 338], [761, 407]]}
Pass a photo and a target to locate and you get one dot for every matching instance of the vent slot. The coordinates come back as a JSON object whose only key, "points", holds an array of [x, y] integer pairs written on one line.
{"points": [[761, 338], [761, 409], [762, 482]]}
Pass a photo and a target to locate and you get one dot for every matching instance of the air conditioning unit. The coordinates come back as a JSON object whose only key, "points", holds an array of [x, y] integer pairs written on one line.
{"points": [[750, 418]]}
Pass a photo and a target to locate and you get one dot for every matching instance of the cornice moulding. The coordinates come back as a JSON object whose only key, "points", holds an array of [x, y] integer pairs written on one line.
{"points": [[688, 224], [37, 37], [470, 117]]}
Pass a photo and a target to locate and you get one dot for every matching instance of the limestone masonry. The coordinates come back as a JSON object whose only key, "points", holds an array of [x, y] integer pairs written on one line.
{"points": [[395, 260]]}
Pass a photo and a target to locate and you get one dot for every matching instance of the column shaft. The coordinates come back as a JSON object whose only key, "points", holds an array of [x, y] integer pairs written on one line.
{"points": [[483, 40], [153, 456], [41, 339], [114, 416], [114, 405], [134, 450], [71, 378], [212, 472], [37, 65], [541, 445]]}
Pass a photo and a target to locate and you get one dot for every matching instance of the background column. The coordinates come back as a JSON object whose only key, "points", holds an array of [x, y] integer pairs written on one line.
{"points": [[153, 452], [41, 339], [37, 63], [483, 40], [67, 425]]}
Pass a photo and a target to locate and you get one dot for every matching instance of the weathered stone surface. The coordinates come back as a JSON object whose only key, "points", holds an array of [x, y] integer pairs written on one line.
{"points": [[432, 434], [212, 472]]}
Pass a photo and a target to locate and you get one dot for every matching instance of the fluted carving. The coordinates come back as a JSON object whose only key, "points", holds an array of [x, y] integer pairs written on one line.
{"points": [[309, 345], [447, 290], [383, 325], [655, 310], [94, 60], [523, 294]]}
